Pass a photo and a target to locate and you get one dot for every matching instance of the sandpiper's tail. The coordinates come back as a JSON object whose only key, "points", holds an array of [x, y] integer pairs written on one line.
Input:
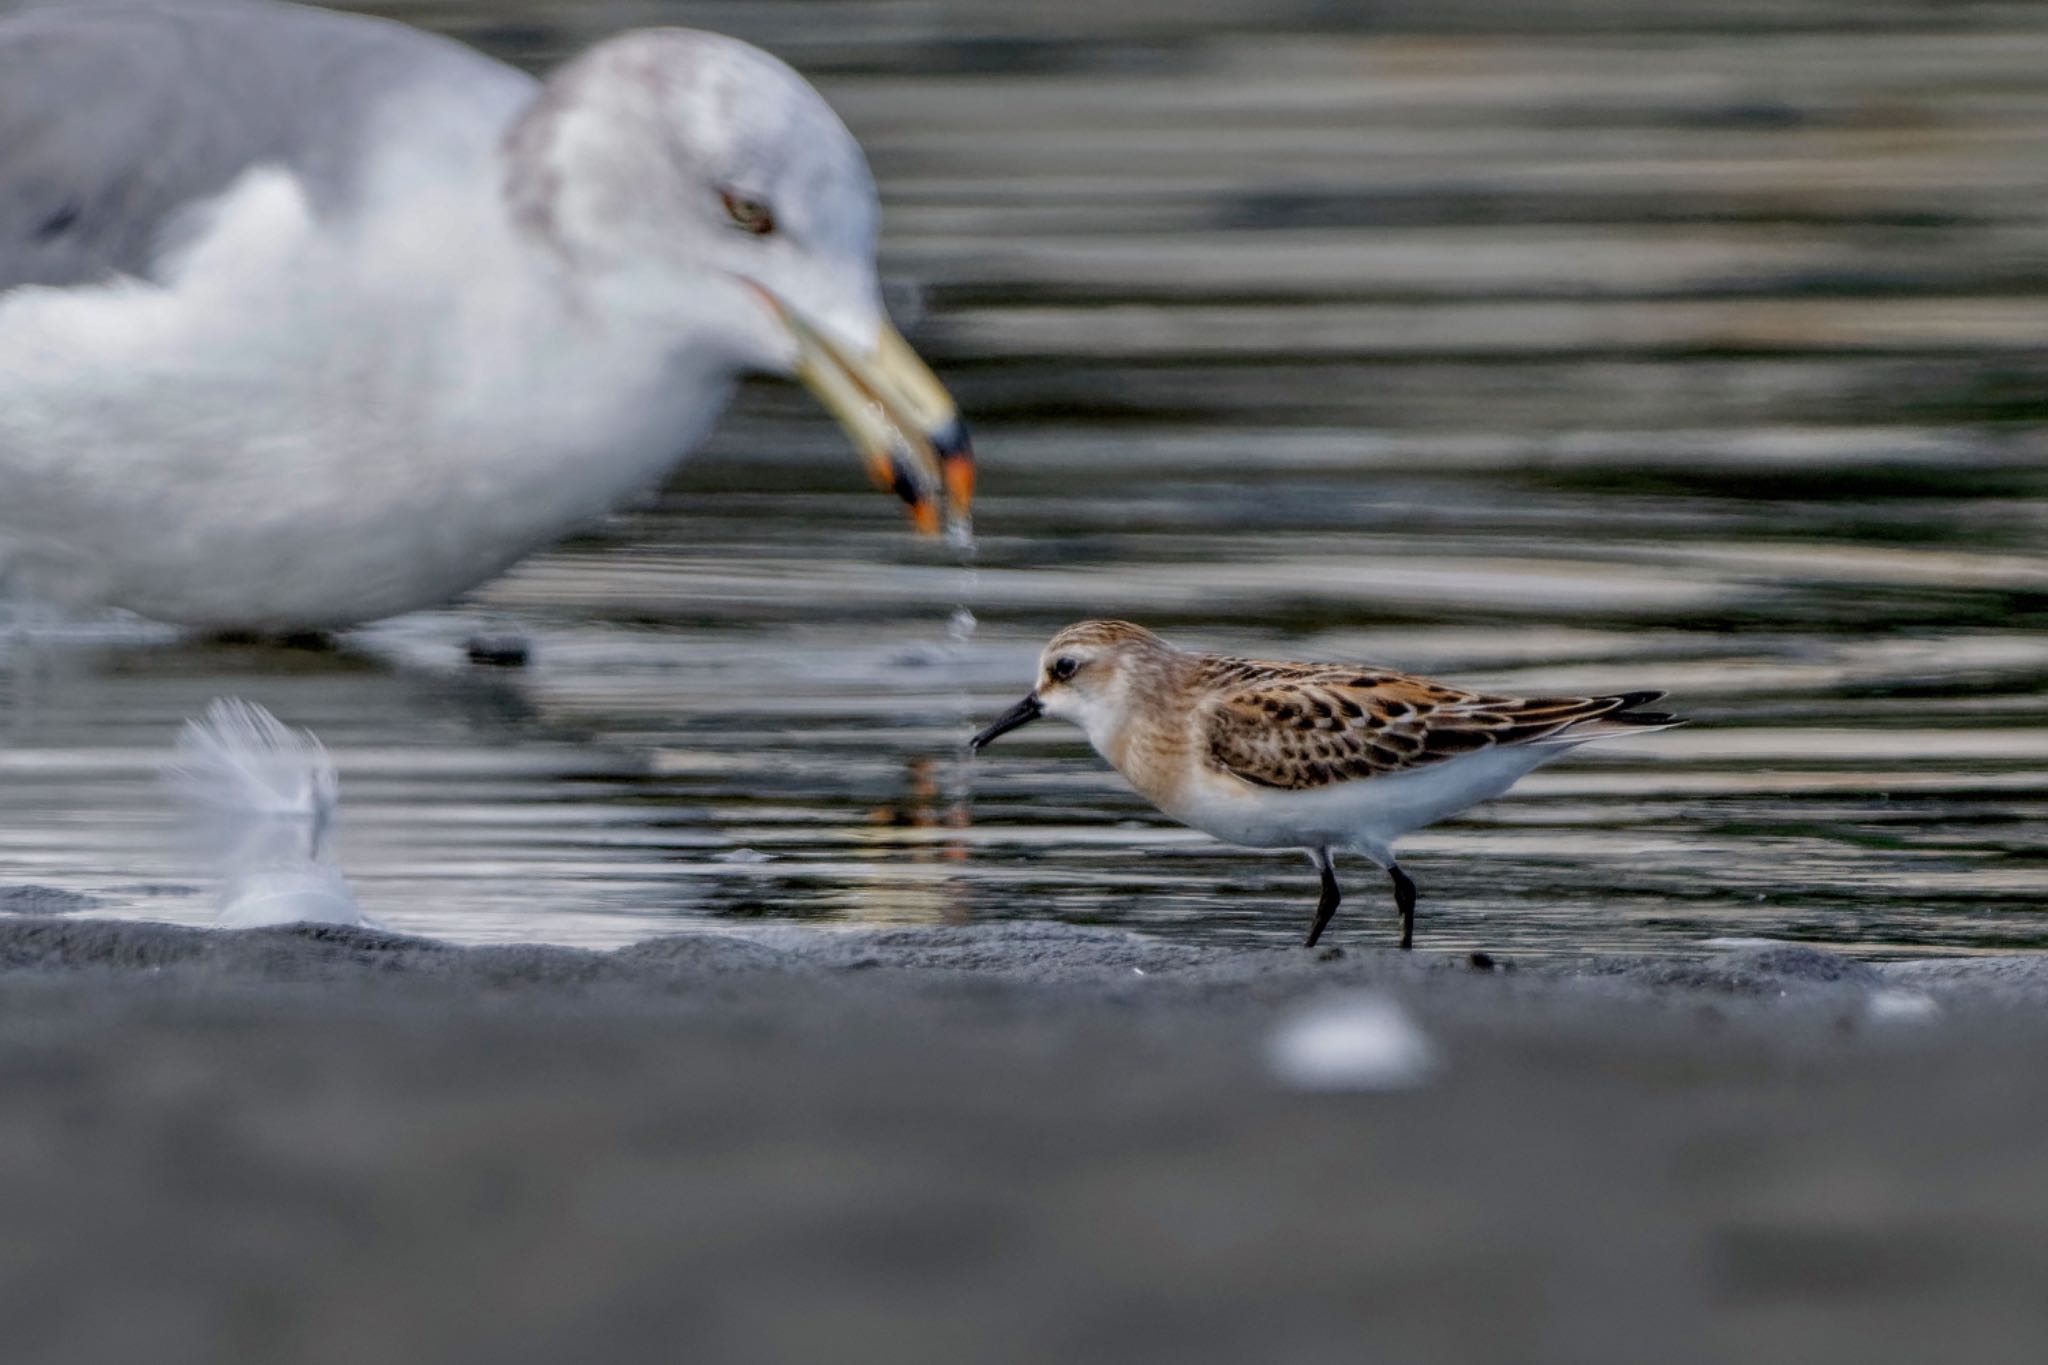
{"points": [[1623, 717], [264, 798]]}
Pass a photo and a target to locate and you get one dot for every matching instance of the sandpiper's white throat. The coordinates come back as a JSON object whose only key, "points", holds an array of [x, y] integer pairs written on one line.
{"points": [[309, 318], [1313, 756]]}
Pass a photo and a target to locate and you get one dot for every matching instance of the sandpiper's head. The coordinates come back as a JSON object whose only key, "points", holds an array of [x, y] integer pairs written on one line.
{"points": [[1092, 674], [696, 183]]}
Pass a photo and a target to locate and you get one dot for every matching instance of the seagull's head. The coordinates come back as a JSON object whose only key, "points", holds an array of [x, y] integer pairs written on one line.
{"points": [[1092, 674], [697, 182]]}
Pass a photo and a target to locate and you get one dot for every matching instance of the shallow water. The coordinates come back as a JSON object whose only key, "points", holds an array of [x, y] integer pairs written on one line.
{"points": [[1707, 357]]}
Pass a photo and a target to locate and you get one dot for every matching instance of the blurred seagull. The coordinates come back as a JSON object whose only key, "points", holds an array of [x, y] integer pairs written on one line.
{"points": [[263, 799], [1312, 756], [310, 318]]}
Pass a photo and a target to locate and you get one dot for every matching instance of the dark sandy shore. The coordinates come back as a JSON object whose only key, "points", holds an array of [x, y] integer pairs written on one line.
{"points": [[1003, 1144]]}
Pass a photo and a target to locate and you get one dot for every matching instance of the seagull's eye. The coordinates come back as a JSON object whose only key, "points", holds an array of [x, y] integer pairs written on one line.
{"points": [[748, 215], [1064, 668]]}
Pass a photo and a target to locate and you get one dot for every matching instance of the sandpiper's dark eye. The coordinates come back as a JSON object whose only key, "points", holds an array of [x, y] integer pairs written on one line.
{"points": [[1064, 668], [748, 215]]}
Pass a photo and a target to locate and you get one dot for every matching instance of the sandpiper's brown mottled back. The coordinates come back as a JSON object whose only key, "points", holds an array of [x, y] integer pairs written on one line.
{"points": [[1304, 755]]}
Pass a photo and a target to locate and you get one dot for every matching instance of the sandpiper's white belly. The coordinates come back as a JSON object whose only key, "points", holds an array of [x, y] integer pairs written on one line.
{"points": [[1367, 815]]}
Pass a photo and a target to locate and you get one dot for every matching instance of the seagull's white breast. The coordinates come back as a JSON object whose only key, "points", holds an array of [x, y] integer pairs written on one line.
{"points": [[314, 422]]}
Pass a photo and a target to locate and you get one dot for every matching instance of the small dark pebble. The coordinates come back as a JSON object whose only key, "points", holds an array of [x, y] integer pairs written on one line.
{"points": [[1330, 955], [312, 641], [1481, 962], [498, 651]]}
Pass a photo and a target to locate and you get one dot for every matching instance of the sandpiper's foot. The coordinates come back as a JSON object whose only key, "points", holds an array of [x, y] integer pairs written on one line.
{"points": [[1404, 901]]}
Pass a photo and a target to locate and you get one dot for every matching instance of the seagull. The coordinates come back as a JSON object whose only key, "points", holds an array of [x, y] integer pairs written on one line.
{"points": [[1303, 755], [263, 797], [310, 318]]}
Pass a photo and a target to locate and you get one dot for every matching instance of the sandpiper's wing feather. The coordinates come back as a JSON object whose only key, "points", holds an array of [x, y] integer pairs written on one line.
{"points": [[1300, 726]]}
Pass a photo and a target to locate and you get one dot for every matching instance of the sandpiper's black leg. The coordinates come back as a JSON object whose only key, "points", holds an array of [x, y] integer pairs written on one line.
{"points": [[1327, 906], [1404, 901]]}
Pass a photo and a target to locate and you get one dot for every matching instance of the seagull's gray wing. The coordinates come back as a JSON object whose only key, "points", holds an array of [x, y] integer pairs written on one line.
{"points": [[114, 119]]}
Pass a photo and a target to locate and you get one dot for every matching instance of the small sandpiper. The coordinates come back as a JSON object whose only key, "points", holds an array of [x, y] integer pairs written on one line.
{"points": [[1313, 756]]}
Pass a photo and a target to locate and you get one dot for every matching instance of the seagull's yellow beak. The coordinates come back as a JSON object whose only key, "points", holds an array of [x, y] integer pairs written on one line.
{"points": [[900, 417]]}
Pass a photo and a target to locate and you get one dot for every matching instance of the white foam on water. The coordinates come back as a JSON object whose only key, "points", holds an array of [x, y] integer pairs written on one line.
{"points": [[743, 855]]}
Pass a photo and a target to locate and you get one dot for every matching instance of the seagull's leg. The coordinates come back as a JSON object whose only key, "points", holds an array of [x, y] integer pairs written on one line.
{"points": [[1327, 906], [1404, 901]]}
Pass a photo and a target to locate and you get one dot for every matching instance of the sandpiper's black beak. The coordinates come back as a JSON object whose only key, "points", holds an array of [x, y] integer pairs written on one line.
{"points": [[1023, 713]]}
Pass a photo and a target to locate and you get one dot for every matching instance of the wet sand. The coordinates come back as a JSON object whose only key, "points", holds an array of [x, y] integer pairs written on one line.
{"points": [[1014, 1143]]}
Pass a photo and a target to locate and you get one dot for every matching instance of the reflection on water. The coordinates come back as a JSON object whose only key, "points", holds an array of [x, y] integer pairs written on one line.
{"points": [[1707, 357]]}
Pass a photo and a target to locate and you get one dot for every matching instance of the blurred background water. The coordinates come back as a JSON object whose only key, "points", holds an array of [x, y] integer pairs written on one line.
{"points": [[1591, 345]]}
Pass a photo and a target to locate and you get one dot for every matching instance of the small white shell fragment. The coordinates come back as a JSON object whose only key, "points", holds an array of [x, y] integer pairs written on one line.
{"points": [[1357, 1041], [1901, 1007]]}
